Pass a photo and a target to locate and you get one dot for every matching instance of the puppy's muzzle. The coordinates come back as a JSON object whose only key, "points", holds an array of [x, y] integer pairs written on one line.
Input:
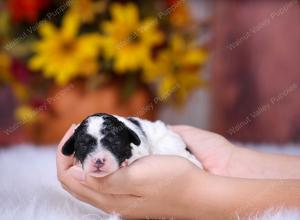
{"points": [[98, 163], [101, 163]]}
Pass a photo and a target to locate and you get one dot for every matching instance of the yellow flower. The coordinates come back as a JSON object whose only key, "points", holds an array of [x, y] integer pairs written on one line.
{"points": [[87, 9], [63, 55], [25, 114], [129, 41], [176, 69]]}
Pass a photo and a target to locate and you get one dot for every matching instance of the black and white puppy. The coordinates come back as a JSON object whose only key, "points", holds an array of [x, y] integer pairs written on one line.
{"points": [[103, 143]]}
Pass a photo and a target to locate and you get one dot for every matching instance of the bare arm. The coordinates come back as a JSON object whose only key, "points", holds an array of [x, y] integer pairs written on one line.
{"points": [[221, 157], [242, 197], [252, 164]]}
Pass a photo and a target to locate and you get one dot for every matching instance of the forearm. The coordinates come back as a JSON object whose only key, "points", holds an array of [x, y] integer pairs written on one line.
{"points": [[224, 198], [247, 163], [252, 197], [255, 196]]}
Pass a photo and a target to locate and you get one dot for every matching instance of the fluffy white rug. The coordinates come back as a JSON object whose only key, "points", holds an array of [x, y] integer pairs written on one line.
{"points": [[29, 189]]}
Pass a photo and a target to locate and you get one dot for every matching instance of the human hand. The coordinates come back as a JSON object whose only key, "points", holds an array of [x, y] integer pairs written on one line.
{"points": [[221, 157], [152, 187], [213, 150]]}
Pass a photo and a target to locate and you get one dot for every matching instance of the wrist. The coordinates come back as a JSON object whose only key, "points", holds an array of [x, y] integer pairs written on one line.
{"points": [[245, 163]]}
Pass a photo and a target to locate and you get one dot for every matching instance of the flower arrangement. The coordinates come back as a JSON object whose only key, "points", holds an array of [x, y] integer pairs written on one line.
{"points": [[56, 42]]}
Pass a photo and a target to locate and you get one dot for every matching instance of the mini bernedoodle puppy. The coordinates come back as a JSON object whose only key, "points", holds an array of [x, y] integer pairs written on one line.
{"points": [[103, 143]]}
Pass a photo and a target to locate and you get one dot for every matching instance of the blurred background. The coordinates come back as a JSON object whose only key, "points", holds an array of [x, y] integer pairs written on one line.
{"points": [[231, 67]]}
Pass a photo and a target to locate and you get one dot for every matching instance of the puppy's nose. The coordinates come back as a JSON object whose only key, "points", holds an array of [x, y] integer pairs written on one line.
{"points": [[99, 161]]}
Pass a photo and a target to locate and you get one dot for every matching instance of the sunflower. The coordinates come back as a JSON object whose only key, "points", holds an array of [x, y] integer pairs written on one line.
{"points": [[62, 54], [129, 41], [176, 69]]}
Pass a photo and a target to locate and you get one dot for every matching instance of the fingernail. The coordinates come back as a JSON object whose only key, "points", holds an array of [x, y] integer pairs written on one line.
{"points": [[77, 173]]}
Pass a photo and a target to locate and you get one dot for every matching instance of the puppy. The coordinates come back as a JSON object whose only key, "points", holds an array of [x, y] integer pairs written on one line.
{"points": [[103, 143]]}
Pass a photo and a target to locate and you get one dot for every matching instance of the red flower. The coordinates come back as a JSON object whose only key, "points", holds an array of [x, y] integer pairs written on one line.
{"points": [[20, 71], [26, 10]]}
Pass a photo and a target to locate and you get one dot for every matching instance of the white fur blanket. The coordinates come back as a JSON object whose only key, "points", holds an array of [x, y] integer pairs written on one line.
{"points": [[29, 189]]}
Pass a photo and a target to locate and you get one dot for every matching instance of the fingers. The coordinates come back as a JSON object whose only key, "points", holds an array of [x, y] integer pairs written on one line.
{"points": [[185, 132], [180, 129], [129, 180], [68, 134], [193, 137], [71, 177], [119, 182], [85, 194], [63, 162], [99, 192], [191, 133], [77, 173], [106, 202]]}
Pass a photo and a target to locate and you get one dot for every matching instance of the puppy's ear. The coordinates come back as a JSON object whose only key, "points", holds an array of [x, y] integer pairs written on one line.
{"points": [[133, 137], [68, 148]]}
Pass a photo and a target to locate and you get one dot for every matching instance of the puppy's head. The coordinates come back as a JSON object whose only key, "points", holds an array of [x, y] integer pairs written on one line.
{"points": [[101, 143]]}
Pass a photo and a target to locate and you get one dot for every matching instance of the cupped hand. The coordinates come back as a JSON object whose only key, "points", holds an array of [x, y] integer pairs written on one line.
{"points": [[213, 150], [152, 187]]}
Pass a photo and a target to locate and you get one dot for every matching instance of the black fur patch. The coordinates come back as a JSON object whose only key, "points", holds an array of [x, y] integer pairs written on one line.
{"points": [[137, 123], [83, 143], [117, 138]]}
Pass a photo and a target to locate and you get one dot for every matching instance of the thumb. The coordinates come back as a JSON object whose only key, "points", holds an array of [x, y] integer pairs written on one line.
{"points": [[187, 133], [192, 135], [183, 130], [197, 140]]}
